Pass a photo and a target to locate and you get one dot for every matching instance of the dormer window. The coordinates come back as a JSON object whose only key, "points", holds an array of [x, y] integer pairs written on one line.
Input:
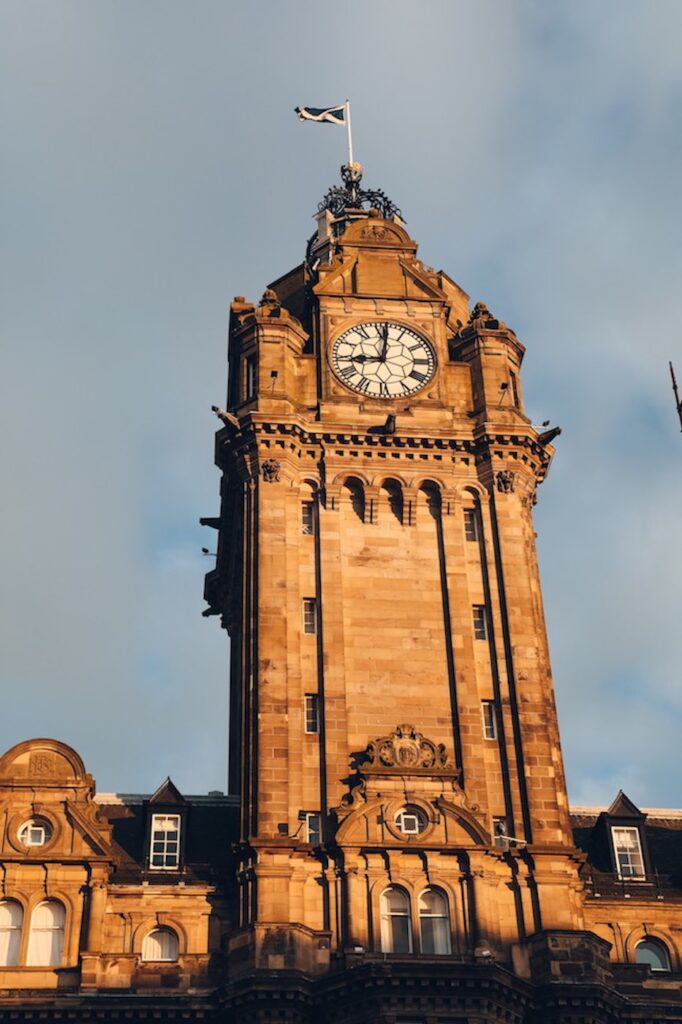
{"points": [[627, 849], [165, 842]]}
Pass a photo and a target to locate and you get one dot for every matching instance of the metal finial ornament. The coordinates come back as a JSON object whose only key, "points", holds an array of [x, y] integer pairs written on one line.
{"points": [[350, 196]]}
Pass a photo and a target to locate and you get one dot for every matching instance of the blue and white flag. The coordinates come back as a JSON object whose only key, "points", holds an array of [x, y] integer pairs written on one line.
{"points": [[332, 115]]}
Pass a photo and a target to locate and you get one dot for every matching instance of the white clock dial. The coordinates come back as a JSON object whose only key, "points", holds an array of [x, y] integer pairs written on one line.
{"points": [[383, 359]]}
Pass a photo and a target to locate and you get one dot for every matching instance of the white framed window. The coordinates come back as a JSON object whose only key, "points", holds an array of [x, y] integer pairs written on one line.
{"points": [[164, 854], [251, 375], [46, 937], [310, 615], [489, 714], [312, 713], [480, 622], [36, 832], [396, 923], [308, 518], [470, 524], [652, 952], [11, 921], [501, 833], [411, 820], [313, 828], [160, 945], [434, 923], [628, 852]]}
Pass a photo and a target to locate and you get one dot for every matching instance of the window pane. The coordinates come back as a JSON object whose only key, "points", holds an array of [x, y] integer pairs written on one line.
{"points": [[309, 615], [480, 622], [396, 930], [165, 845], [307, 518], [489, 720], [402, 940], [628, 851], [654, 954], [470, 524], [434, 922], [11, 919], [312, 723], [313, 828], [161, 944], [396, 902], [46, 939]]}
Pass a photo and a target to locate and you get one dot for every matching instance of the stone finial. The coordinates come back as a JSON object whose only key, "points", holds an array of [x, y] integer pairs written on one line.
{"points": [[269, 298]]}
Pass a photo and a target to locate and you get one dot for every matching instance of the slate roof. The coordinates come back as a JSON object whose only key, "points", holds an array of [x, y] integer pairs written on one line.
{"points": [[211, 825]]}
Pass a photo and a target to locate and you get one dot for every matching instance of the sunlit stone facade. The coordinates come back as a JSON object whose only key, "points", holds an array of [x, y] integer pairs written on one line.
{"points": [[397, 846]]}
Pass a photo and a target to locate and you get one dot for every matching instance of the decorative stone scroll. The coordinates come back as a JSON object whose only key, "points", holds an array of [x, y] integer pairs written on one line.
{"points": [[406, 750]]}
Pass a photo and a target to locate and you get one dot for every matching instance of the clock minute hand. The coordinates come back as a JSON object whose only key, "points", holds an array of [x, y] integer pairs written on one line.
{"points": [[385, 345]]}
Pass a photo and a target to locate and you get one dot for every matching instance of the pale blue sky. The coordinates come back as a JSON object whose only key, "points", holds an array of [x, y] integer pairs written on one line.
{"points": [[152, 167]]}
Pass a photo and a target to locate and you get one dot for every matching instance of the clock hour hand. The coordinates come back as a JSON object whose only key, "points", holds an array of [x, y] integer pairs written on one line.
{"points": [[366, 359]]}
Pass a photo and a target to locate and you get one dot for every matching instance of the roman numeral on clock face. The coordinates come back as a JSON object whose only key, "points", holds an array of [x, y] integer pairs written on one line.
{"points": [[421, 377], [348, 371]]}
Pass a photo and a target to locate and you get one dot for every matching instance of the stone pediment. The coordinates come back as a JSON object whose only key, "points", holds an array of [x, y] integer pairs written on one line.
{"points": [[406, 751], [43, 763]]}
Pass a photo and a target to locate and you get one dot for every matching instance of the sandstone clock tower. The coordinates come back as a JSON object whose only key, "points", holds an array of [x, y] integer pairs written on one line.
{"points": [[393, 732]]}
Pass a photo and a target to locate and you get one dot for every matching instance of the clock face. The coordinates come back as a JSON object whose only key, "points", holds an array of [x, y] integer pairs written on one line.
{"points": [[382, 359]]}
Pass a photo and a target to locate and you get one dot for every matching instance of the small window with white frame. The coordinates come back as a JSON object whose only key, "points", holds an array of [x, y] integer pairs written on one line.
{"points": [[489, 713], [470, 524], [480, 622], [308, 518], [164, 854], [501, 833], [312, 713], [35, 832], [627, 849], [313, 828], [310, 615], [411, 820]]}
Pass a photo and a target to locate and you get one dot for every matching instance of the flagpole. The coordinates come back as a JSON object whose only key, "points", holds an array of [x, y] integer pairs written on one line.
{"points": [[350, 136]]}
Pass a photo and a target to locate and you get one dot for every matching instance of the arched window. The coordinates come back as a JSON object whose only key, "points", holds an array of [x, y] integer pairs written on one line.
{"points": [[653, 953], [11, 920], [161, 944], [434, 922], [46, 938], [396, 926]]}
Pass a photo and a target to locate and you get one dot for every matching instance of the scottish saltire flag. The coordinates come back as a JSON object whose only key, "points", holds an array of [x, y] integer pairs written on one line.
{"points": [[332, 115]]}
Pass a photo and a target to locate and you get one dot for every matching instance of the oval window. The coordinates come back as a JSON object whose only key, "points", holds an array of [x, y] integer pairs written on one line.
{"points": [[411, 820], [35, 832]]}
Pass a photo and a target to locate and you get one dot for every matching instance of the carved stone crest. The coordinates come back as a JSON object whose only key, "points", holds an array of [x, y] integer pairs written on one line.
{"points": [[270, 470], [405, 748], [375, 232], [506, 481], [41, 763]]}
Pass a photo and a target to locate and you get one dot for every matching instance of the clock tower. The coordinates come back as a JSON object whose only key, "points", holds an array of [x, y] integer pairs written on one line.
{"points": [[393, 733]]}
